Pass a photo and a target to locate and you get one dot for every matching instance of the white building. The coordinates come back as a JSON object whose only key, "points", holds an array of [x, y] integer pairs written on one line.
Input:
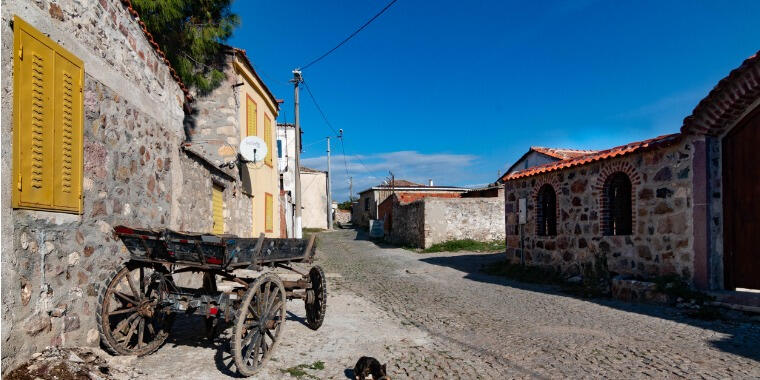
{"points": [[286, 154]]}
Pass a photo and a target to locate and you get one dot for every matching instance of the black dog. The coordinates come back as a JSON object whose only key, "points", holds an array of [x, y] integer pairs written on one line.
{"points": [[370, 366]]}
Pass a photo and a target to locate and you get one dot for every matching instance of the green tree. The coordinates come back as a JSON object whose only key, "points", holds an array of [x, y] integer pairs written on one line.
{"points": [[191, 33], [346, 205]]}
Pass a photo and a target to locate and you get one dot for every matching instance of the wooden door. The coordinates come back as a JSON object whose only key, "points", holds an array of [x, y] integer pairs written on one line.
{"points": [[741, 204]]}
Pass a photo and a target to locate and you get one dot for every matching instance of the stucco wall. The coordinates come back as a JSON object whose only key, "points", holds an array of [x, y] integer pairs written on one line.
{"points": [[53, 263], [314, 202], [662, 238]]}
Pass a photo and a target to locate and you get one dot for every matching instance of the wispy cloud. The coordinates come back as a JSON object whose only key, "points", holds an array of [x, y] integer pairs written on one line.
{"points": [[372, 169]]}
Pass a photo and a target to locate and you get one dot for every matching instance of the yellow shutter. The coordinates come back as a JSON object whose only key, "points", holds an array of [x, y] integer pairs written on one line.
{"points": [[68, 143], [47, 133], [268, 140], [217, 206], [268, 217], [250, 116]]}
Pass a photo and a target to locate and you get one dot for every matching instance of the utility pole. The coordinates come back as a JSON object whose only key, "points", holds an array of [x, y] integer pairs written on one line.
{"points": [[351, 189], [297, 79], [329, 188]]}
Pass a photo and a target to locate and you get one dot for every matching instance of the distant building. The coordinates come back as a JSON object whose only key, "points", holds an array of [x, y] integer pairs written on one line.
{"points": [[314, 198], [407, 191], [286, 154]]}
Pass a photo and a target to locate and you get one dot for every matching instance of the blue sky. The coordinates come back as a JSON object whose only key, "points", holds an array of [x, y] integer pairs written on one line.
{"points": [[455, 90]]}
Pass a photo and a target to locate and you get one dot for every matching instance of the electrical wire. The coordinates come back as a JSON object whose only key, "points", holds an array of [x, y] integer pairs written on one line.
{"points": [[350, 36], [314, 100]]}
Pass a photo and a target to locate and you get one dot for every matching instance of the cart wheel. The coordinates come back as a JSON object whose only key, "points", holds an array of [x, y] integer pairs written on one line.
{"points": [[316, 299], [129, 318], [259, 323]]}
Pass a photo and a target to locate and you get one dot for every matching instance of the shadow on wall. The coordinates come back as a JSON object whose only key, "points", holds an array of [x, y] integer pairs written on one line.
{"points": [[741, 339]]}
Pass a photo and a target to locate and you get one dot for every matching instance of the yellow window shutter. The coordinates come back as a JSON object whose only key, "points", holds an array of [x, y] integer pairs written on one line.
{"points": [[33, 69], [268, 140], [269, 217], [217, 205], [250, 116], [67, 167]]}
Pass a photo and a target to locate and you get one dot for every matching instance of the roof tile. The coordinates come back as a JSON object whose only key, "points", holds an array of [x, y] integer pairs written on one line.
{"points": [[597, 156]]}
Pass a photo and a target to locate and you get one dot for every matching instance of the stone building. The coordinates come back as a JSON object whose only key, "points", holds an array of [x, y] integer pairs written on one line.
{"points": [[370, 199], [99, 131], [683, 204], [430, 220], [241, 106]]}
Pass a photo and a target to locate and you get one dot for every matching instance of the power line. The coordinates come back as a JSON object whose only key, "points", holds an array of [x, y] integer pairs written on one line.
{"points": [[340, 135], [314, 100], [350, 36]]}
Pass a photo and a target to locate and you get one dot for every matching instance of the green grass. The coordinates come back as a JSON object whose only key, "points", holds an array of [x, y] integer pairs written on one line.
{"points": [[467, 245], [299, 370]]}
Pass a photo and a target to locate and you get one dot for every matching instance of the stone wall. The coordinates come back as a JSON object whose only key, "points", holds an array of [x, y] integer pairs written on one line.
{"points": [[662, 238], [53, 263], [433, 220], [408, 224], [480, 219]]}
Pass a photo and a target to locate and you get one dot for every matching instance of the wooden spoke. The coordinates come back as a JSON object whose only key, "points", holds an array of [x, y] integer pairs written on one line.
{"points": [[132, 328], [122, 311], [264, 302], [124, 329], [140, 332], [132, 286], [126, 297]]}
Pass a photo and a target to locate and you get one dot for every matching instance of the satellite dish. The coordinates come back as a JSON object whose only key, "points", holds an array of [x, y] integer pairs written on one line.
{"points": [[253, 148]]}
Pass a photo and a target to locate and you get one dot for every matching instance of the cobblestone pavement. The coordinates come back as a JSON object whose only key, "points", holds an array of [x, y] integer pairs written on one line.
{"points": [[481, 326]]}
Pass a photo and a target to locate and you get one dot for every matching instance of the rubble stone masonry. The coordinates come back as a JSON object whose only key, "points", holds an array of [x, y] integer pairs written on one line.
{"points": [[135, 173], [661, 242]]}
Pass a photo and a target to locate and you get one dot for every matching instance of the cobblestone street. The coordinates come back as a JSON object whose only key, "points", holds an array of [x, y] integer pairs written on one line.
{"points": [[435, 316], [482, 326]]}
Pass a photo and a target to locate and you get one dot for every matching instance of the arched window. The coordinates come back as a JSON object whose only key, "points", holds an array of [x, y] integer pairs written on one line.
{"points": [[546, 216], [617, 205]]}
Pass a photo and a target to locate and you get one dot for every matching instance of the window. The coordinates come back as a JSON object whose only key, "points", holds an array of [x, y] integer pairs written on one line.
{"points": [[217, 208], [366, 204], [546, 217], [617, 205], [268, 212], [279, 148], [47, 114], [250, 116], [268, 140]]}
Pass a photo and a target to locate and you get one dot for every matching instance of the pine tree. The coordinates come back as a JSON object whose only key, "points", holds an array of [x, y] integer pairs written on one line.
{"points": [[191, 33]]}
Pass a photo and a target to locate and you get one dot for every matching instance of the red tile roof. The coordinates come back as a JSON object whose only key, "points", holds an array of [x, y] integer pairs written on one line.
{"points": [[561, 153], [161, 54], [597, 156], [727, 101], [401, 183]]}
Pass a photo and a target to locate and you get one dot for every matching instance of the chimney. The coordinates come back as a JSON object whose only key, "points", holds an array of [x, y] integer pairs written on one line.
{"points": [[430, 182]]}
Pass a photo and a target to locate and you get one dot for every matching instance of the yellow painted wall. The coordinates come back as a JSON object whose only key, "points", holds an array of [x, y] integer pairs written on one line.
{"points": [[264, 177]]}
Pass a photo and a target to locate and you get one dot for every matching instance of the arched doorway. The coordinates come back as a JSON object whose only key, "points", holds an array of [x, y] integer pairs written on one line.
{"points": [[741, 204]]}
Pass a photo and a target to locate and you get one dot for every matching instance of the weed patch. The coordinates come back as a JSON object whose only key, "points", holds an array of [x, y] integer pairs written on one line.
{"points": [[299, 371], [467, 245]]}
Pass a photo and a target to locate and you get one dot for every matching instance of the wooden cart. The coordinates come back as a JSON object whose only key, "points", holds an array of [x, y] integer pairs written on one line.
{"points": [[137, 307]]}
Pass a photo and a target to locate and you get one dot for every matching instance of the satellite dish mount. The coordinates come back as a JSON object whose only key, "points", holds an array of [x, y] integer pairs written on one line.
{"points": [[253, 149]]}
